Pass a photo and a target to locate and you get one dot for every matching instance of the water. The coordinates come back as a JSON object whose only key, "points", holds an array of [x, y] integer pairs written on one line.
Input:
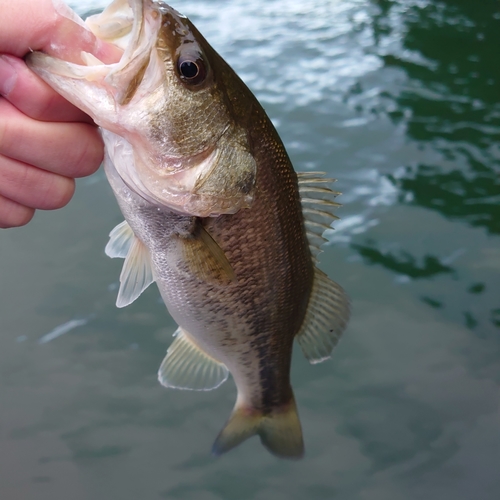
{"points": [[399, 101]]}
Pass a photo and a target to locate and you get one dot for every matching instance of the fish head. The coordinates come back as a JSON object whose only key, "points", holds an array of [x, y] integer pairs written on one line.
{"points": [[174, 116]]}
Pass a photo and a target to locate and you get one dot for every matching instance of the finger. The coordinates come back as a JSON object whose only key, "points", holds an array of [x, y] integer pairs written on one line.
{"points": [[33, 187], [31, 95], [70, 36], [52, 27], [14, 215], [68, 149]]}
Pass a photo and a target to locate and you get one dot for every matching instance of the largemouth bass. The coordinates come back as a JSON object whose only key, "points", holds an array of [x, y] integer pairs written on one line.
{"points": [[214, 214]]}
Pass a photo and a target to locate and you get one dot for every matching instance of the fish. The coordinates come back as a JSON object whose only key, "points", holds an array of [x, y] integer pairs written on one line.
{"points": [[215, 215]]}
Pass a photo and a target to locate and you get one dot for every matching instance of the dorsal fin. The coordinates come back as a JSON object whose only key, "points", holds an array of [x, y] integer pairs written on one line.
{"points": [[187, 366], [137, 273], [317, 207], [325, 320]]}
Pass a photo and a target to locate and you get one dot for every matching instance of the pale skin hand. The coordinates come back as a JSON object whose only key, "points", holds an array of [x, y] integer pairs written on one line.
{"points": [[45, 142]]}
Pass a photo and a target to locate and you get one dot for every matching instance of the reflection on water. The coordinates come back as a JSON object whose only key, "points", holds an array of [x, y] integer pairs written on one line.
{"points": [[473, 196], [404, 264], [448, 106], [399, 101], [450, 103]]}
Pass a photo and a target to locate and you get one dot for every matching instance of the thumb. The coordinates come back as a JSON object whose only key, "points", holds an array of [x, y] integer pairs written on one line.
{"points": [[52, 27]]}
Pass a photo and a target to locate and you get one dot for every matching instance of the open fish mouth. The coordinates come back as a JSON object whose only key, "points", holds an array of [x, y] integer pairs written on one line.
{"points": [[129, 25]]}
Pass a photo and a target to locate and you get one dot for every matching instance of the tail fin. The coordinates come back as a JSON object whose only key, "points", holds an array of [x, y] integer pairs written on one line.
{"points": [[280, 431]]}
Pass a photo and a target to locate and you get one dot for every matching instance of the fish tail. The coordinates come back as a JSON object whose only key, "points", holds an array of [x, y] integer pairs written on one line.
{"points": [[279, 430]]}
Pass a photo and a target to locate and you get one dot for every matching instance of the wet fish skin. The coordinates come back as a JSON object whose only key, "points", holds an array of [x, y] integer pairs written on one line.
{"points": [[215, 217]]}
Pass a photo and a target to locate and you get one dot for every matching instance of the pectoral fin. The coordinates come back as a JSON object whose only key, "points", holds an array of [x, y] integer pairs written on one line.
{"points": [[137, 273], [187, 366], [326, 318], [206, 259], [120, 240]]}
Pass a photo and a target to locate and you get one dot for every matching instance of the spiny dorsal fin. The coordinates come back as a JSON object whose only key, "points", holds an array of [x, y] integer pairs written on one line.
{"points": [[187, 366], [120, 240], [317, 207], [206, 259], [326, 318], [136, 273]]}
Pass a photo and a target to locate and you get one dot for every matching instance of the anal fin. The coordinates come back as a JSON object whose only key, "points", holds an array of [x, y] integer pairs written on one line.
{"points": [[187, 366], [326, 318]]}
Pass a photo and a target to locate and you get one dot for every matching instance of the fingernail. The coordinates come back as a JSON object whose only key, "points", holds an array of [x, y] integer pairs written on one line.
{"points": [[8, 75]]}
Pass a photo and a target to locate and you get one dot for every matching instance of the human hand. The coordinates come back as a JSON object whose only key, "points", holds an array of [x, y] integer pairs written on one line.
{"points": [[45, 142]]}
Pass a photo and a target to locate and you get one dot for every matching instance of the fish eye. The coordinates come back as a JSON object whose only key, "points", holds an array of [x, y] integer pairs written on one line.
{"points": [[189, 69], [192, 70]]}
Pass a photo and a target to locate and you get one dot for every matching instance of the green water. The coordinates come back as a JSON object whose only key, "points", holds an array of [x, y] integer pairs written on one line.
{"points": [[399, 101]]}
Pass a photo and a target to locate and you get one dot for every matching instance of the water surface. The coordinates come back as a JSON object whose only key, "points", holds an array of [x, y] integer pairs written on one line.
{"points": [[399, 101]]}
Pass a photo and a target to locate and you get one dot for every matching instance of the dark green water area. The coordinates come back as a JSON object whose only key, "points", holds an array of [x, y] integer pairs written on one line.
{"points": [[398, 100]]}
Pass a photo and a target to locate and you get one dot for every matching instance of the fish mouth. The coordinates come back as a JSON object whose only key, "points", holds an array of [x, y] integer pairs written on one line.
{"points": [[132, 27]]}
